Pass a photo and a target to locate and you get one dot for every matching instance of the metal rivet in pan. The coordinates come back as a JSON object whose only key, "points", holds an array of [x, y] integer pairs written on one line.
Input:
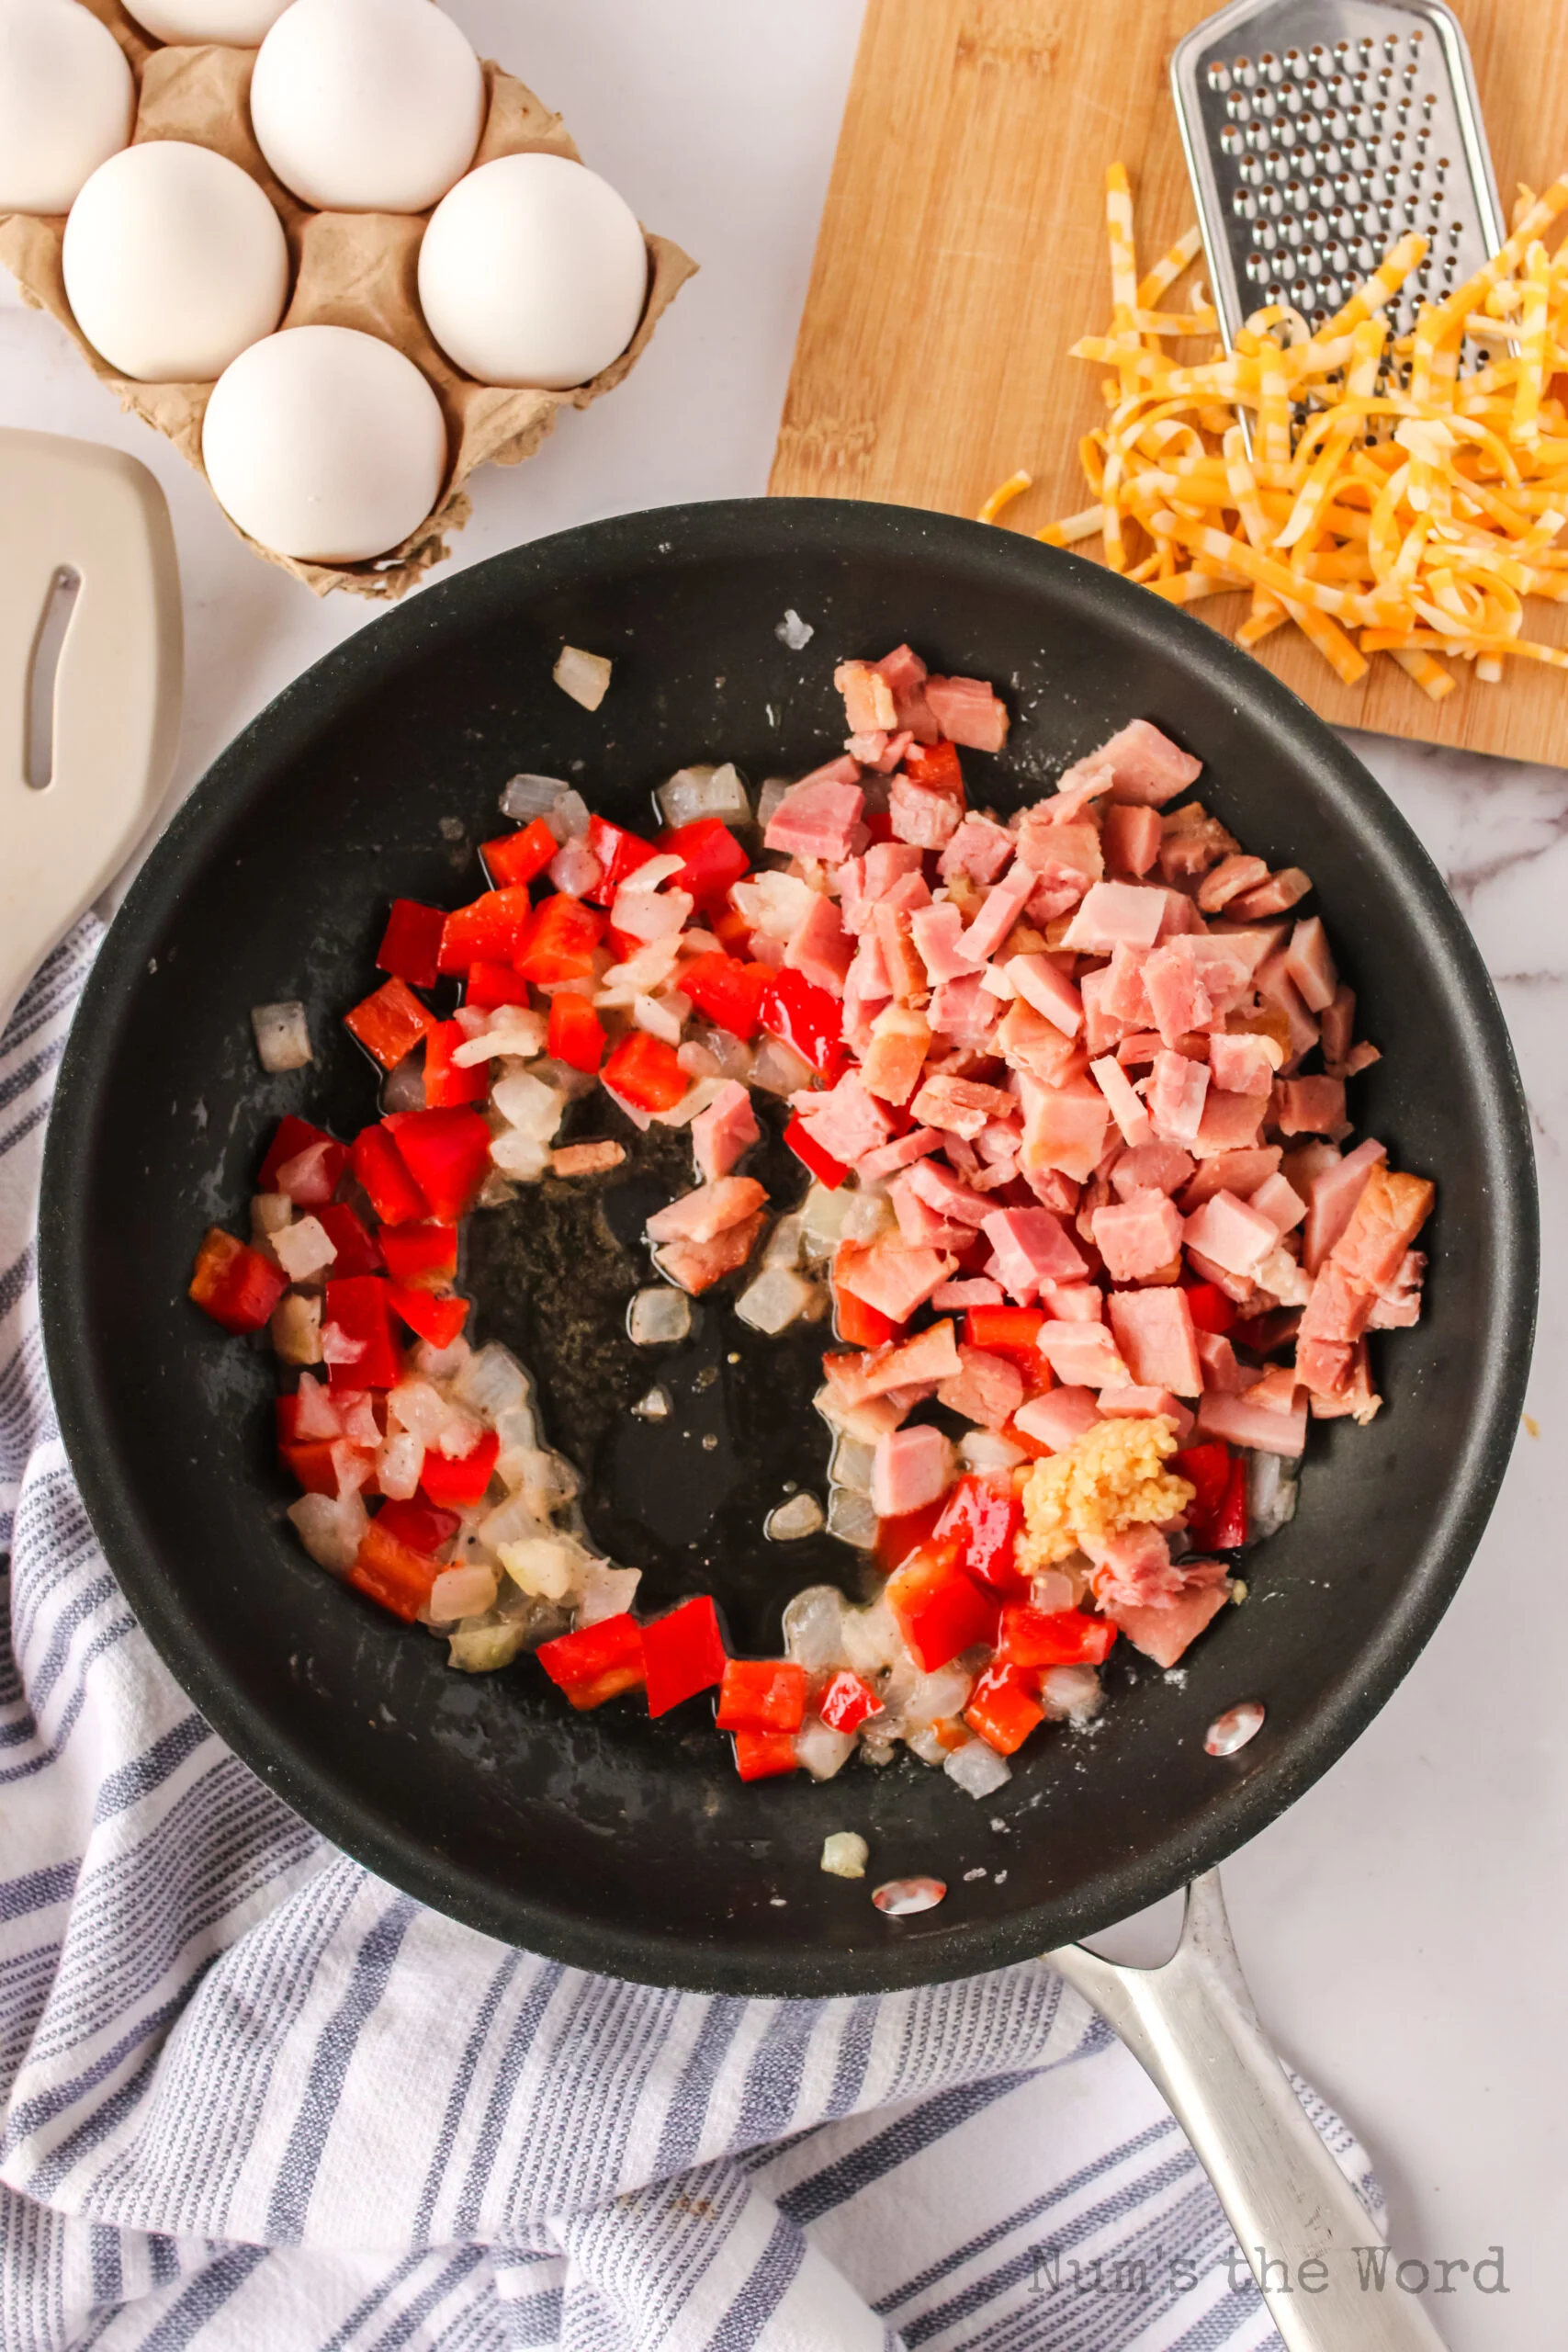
{"points": [[1411, 208], [1238, 105], [1295, 61], [1295, 196], [1441, 166], [1270, 67], [1391, 45], [1274, 204], [1218, 78], [1268, 236], [900, 1898], [1243, 204], [1231, 1731], [1231, 140], [1257, 268], [1250, 171], [1245, 71], [1258, 136]]}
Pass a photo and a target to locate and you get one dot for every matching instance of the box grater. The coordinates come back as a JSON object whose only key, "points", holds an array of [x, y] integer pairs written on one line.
{"points": [[1319, 131]]}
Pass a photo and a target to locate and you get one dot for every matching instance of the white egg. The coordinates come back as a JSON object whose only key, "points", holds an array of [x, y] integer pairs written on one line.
{"points": [[238, 23], [366, 105], [66, 102], [533, 271], [173, 262], [325, 444]]}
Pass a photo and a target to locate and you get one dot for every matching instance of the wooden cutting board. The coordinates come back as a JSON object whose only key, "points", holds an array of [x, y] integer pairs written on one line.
{"points": [[962, 249]]}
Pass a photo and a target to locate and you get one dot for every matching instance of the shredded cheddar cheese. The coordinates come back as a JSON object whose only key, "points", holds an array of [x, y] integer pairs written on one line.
{"points": [[1113, 1476], [1413, 520]]}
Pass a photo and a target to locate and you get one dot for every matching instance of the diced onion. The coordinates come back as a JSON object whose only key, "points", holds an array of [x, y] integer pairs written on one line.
{"points": [[774, 791], [850, 1465], [512, 1522], [775, 904], [605, 1591], [495, 1384], [1070, 1691], [296, 1328], [794, 632], [303, 1248], [1271, 1493], [692, 793], [872, 1639], [283, 1040], [814, 1627], [575, 869], [485, 1645], [527, 797], [584, 676], [820, 1750], [543, 1565], [402, 1088], [775, 1300], [509, 1029], [800, 1517], [977, 1769], [658, 1015], [986, 1450], [651, 914], [534, 1109], [778, 1068], [658, 1316], [845, 1854], [461, 1592], [397, 1465], [331, 1528]]}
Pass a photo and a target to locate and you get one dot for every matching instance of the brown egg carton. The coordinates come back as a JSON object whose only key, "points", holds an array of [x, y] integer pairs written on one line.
{"points": [[348, 269]]}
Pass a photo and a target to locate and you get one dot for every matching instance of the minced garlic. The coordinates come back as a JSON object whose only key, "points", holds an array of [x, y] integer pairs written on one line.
{"points": [[1112, 1478]]}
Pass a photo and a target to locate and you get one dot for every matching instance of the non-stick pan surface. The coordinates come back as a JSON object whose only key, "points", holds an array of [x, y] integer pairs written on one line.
{"points": [[605, 1840]]}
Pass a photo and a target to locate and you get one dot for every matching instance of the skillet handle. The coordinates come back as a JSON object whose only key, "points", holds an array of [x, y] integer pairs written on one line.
{"points": [[1193, 2029]]}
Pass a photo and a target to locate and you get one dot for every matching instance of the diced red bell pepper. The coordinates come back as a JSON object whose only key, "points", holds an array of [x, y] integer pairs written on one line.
{"points": [[423, 1256], [1209, 1309], [520, 857], [489, 930], [293, 1136], [940, 1610], [1010, 1331], [446, 1153], [618, 853], [645, 1072], [828, 1170], [847, 1701], [1034, 1447], [713, 858], [446, 1082], [423, 1526], [577, 1034], [380, 1167], [906, 1532], [411, 944], [1206, 1468], [391, 1572], [235, 1284], [761, 1694], [1036, 1637], [726, 991], [762, 1755], [595, 1664], [799, 1014], [435, 1315], [489, 985], [878, 823], [731, 930], [312, 1462], [462, 1482], [560, 942], [859, 1325], [1224, 1529], [391, 1023], [936, 764], [984, 1520], [684, 1653], [360, 1305], [356, 1247], [1002, 1710]]}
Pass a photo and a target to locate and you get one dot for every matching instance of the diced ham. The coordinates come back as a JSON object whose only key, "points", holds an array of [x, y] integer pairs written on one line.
{"points": [[711, 1210], [1064, 1127], [930, 1357], [906, 674], [1130, 838], [1150, 1167], [1226, 881], [1138, 1239], [975, 1290], [1280, 992], [986, 1389], [1241, 1065], [1031, 1042], [1124, 994], [868, 978], [1398, 1303], [1083, 1355], [943, 1193], [963, 1105], [892, 1063], [1127, 1105], [1135, 1404], [1147, 767], [1240, 1421], [1221, 1370], [1066, 857], [979, 849], [1166, 1632], [1029, 1248], [1004, 902], [886, 865], [1355, 1397], [721, 1133], [868, 698], [919, 814], [1232, 1233], [1339, 1308], [1240, 1172], [1039, 982], [1279, 1202], [1274, 897], [1230, 1123], [963, 1012], [1309, 1106], [906, 973], [1060, 1418], [968, 712], [1388, 1216], [1153, 1328], [1073, 1302], [909, 1469], [937, 932], [889, 1157], [1311, 966], [847, 1122], [818, 817], [820, 946], [1333, 1192], [891, 1276], [1174, 986], [1139, 1048], [1132, 1569], [1115, 914], [1338, 1027], [1176, 1097], [920, 1226], [696, 1265]]}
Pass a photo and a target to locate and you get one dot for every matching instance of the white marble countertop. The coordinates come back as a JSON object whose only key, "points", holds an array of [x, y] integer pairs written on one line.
{"points": [[1403, 1926]]}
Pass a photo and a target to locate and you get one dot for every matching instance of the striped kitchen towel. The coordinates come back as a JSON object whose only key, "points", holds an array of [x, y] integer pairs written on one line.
{"points": [[256, 2100]]}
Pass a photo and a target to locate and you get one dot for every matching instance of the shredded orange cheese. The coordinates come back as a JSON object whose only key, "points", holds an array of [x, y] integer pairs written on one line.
{"points": [[1412, 521]]}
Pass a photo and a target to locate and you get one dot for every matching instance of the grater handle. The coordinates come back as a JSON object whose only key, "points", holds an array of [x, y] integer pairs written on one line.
{"points": [[1305, 2233]]}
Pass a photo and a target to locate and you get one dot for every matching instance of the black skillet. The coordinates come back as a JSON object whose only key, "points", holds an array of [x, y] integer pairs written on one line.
{"points": [[612, 1843]]}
